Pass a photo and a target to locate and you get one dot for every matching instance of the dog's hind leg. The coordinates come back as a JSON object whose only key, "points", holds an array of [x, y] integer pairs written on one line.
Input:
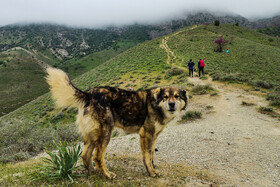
{"points": [[87, 154], [102, 139], [102, 143]]}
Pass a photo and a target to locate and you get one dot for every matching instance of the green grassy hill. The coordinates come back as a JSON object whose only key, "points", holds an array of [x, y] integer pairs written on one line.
{"points": [[273, 31], [20, 80], [253, 58]]}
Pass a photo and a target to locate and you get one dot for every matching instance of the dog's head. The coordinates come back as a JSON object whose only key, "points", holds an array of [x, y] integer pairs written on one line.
{"points": [[170, 99]]}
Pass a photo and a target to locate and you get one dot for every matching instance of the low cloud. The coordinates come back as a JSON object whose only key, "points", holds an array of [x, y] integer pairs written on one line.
{"points": [[97, 13]]}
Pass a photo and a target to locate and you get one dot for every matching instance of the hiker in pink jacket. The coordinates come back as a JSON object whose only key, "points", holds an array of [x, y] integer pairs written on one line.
{"points": [[201, 65]]}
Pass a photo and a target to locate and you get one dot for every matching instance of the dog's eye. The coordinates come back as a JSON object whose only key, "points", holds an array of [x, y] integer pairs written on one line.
{"points": [[165, 97], [176, 96]]}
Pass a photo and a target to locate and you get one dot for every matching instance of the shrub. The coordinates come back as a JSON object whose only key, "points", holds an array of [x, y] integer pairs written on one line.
{"points": [[262, 84], [202, 89], [214, 94], [209, 107], [191, 115], [216, 22], [173, 71], [274, 98], [21, 139], [27, 138], [265, 110], [203, 78], [246, 103]]}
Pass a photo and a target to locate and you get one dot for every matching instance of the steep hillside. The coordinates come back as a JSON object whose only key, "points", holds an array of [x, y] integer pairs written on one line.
{"points": [[253, 58], [273, 31], [20, 79]]}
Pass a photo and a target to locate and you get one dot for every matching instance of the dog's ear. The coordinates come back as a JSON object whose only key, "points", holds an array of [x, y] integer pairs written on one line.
{"points": [[184, 96], [158, 94]]}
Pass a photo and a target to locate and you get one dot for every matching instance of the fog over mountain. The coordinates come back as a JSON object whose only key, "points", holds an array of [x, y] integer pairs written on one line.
{"points": [[98, 13]]}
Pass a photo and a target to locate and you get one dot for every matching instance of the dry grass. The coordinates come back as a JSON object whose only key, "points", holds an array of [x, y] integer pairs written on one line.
{"points": [[130, 172]]}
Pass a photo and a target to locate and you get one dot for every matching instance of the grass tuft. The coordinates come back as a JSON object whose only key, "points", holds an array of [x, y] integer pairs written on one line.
{"points": [[191, 115], [202, 89], [246, 103]]}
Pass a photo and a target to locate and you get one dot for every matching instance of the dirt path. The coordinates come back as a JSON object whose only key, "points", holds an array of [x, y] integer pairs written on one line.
{"points": [[170, 54], [232, 141]]}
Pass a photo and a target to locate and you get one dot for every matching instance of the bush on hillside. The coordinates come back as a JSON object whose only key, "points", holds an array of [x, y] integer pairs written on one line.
{"points": [[20, 140], [202, 89], [216, 22], [274, 98], [173, 71], [262, 84], [229, 77]]}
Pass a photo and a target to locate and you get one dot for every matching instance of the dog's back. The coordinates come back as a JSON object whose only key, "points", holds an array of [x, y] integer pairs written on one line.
{"points": [[128, 107]]}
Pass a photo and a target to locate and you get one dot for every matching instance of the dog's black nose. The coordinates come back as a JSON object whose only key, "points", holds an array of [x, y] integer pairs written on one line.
{"points": [[172, 105]]}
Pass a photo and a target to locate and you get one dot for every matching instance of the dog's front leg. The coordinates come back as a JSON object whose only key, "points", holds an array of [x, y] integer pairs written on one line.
{"points": [[146, 142]]}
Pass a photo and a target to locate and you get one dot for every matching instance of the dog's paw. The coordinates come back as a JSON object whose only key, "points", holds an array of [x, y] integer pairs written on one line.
{"points": [[155, 173], [110, 175]]}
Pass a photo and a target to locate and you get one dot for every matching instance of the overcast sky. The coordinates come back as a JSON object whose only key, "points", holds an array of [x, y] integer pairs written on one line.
{"points": [[96, 13]]}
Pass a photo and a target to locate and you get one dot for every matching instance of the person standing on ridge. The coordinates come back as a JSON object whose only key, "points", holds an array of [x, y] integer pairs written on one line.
{"points": [[201, 65], [191, 67]]}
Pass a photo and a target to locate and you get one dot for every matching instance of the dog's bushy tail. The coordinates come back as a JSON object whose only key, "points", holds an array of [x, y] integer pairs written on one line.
{"points": [[63, 91]]}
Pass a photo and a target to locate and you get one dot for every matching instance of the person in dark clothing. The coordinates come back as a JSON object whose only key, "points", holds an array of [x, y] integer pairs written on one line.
{"points": [[191, 67], [201, 65]]}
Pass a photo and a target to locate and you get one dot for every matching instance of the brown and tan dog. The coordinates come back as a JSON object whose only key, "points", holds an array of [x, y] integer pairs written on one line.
{"points": [[103, 108]]}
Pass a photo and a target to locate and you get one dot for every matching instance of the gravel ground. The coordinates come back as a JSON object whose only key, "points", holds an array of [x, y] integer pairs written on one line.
{"points": [[232, 141]]}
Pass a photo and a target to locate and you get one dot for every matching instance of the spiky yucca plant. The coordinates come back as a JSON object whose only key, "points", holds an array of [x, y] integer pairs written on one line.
{"points": [[62, 163]]}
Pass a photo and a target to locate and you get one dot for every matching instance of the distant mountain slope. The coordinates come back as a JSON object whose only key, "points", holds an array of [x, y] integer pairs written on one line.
{"points": [[265, 23], [61, 41]]}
